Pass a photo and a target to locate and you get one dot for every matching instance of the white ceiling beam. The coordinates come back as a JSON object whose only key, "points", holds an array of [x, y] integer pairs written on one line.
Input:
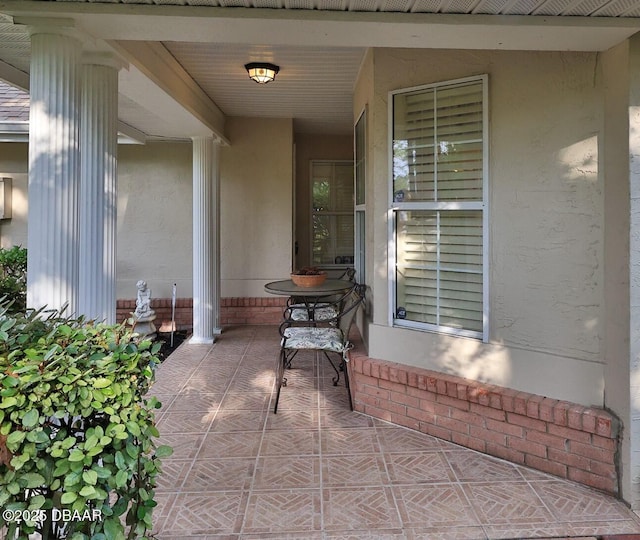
{"points": [[129, 135], [14, 76], [156, 63]]}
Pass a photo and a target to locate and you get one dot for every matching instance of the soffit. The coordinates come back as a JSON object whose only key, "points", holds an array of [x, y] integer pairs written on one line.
{"points": [[571, 8], [319, 45]]}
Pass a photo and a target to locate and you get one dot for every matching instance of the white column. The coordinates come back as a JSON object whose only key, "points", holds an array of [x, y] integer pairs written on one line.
{"points": [[98, 173], [215, 239], [53, 218], [206, 257]]}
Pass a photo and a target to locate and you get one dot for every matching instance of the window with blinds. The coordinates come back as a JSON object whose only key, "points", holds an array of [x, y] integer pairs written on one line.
{"points": [[332, 213], [439, 171]]}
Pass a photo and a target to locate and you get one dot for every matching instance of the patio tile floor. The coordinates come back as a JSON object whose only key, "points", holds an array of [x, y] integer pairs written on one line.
{"points": [[318, 471]]}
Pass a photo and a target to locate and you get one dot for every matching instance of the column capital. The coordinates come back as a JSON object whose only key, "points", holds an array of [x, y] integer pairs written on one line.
{"points": [[104, 58], [216, 139], [58, 26]]}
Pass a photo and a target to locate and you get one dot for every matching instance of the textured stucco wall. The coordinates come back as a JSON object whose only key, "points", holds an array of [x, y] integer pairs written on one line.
{"points": [[546, 231], [154, 218], [257, 208]]}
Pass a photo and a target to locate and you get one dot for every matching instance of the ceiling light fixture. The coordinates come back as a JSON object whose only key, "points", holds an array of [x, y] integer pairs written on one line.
{"points": [[262, 72]]}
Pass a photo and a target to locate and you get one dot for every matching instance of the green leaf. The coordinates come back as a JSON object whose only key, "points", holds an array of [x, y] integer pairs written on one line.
{"points": [[8, 402], [90, 477], [10, 381], [33, 480], [68, 497], [38, 436], [30, 419], [132, 450], [120, 462], [37, 502], [101, 383], [14, 439], [68, 442], [102, 472], [13, 488], [134, 428], [72, 478], [91, 441], [76, 455], [87, 492], [113, 528], [121, 478], [164, 451]]}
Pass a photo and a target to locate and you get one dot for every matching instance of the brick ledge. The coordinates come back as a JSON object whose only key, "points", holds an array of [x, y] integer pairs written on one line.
{"points": [[565, 439], [233, 310]]}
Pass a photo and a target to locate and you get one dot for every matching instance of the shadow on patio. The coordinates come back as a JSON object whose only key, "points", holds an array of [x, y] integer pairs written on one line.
{"points": [[316, 470]]}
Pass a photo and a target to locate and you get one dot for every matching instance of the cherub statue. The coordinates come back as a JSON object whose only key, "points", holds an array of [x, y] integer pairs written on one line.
{"points": [[143, 301]]}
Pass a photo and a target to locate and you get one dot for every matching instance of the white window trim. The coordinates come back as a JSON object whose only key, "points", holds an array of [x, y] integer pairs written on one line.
{"points": [[483, 205], [362, 207]]}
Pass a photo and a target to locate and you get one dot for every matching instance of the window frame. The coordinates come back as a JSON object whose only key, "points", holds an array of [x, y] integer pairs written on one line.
{"points": [[482, 205], [312, 212], [360, 207]]}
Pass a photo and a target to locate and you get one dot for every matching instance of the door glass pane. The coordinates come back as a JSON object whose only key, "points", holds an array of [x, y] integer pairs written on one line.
{"points": [[332, 210], [333, 237]]}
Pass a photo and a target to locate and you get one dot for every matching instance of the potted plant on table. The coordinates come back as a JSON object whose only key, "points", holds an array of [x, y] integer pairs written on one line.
{"points": [[308, 276]]}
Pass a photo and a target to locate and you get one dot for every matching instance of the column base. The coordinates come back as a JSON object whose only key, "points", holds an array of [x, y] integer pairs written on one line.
{"points": [[201, 341]]}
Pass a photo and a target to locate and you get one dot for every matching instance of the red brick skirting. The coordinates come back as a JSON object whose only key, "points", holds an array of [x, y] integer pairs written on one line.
{"points": [[557, 437], [233, 311]]}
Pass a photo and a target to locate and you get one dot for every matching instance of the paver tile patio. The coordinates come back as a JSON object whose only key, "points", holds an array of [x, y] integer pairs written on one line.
{"points": [[317, 471]]}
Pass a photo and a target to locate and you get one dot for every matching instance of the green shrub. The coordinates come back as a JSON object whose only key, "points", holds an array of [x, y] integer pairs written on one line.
{"points": [[13, 276], [78, 432]]}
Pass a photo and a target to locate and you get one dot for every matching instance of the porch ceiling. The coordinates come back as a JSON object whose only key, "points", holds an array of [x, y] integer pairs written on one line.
{"points": [[319, 45], [580, 8]]}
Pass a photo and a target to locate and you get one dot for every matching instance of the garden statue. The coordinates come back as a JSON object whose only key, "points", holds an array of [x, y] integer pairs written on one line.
{"points": [[143, 317], [143, 301]]}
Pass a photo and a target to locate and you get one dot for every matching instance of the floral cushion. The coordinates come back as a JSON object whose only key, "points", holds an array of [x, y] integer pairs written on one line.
{"points": [[328, 339], [324, 313]]}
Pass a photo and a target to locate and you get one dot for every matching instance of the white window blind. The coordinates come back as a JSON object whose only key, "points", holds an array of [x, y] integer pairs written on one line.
{"points": [[438, 201]]}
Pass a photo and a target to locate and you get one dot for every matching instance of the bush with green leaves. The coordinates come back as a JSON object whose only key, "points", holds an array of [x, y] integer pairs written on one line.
{"points": [[76, 430], [13, 277]]}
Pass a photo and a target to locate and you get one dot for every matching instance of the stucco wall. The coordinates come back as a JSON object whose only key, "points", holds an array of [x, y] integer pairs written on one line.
{"points": [[14, 165], [155, 202], [546, 231], [154, 218], [257, 208]]}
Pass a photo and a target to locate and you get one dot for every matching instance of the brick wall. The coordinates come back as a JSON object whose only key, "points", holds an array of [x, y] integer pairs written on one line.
{"points": [[557, 437], [232, 311]]}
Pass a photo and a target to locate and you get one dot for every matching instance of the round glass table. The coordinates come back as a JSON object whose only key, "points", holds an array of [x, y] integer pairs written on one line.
{"points": [[286, 287]]}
